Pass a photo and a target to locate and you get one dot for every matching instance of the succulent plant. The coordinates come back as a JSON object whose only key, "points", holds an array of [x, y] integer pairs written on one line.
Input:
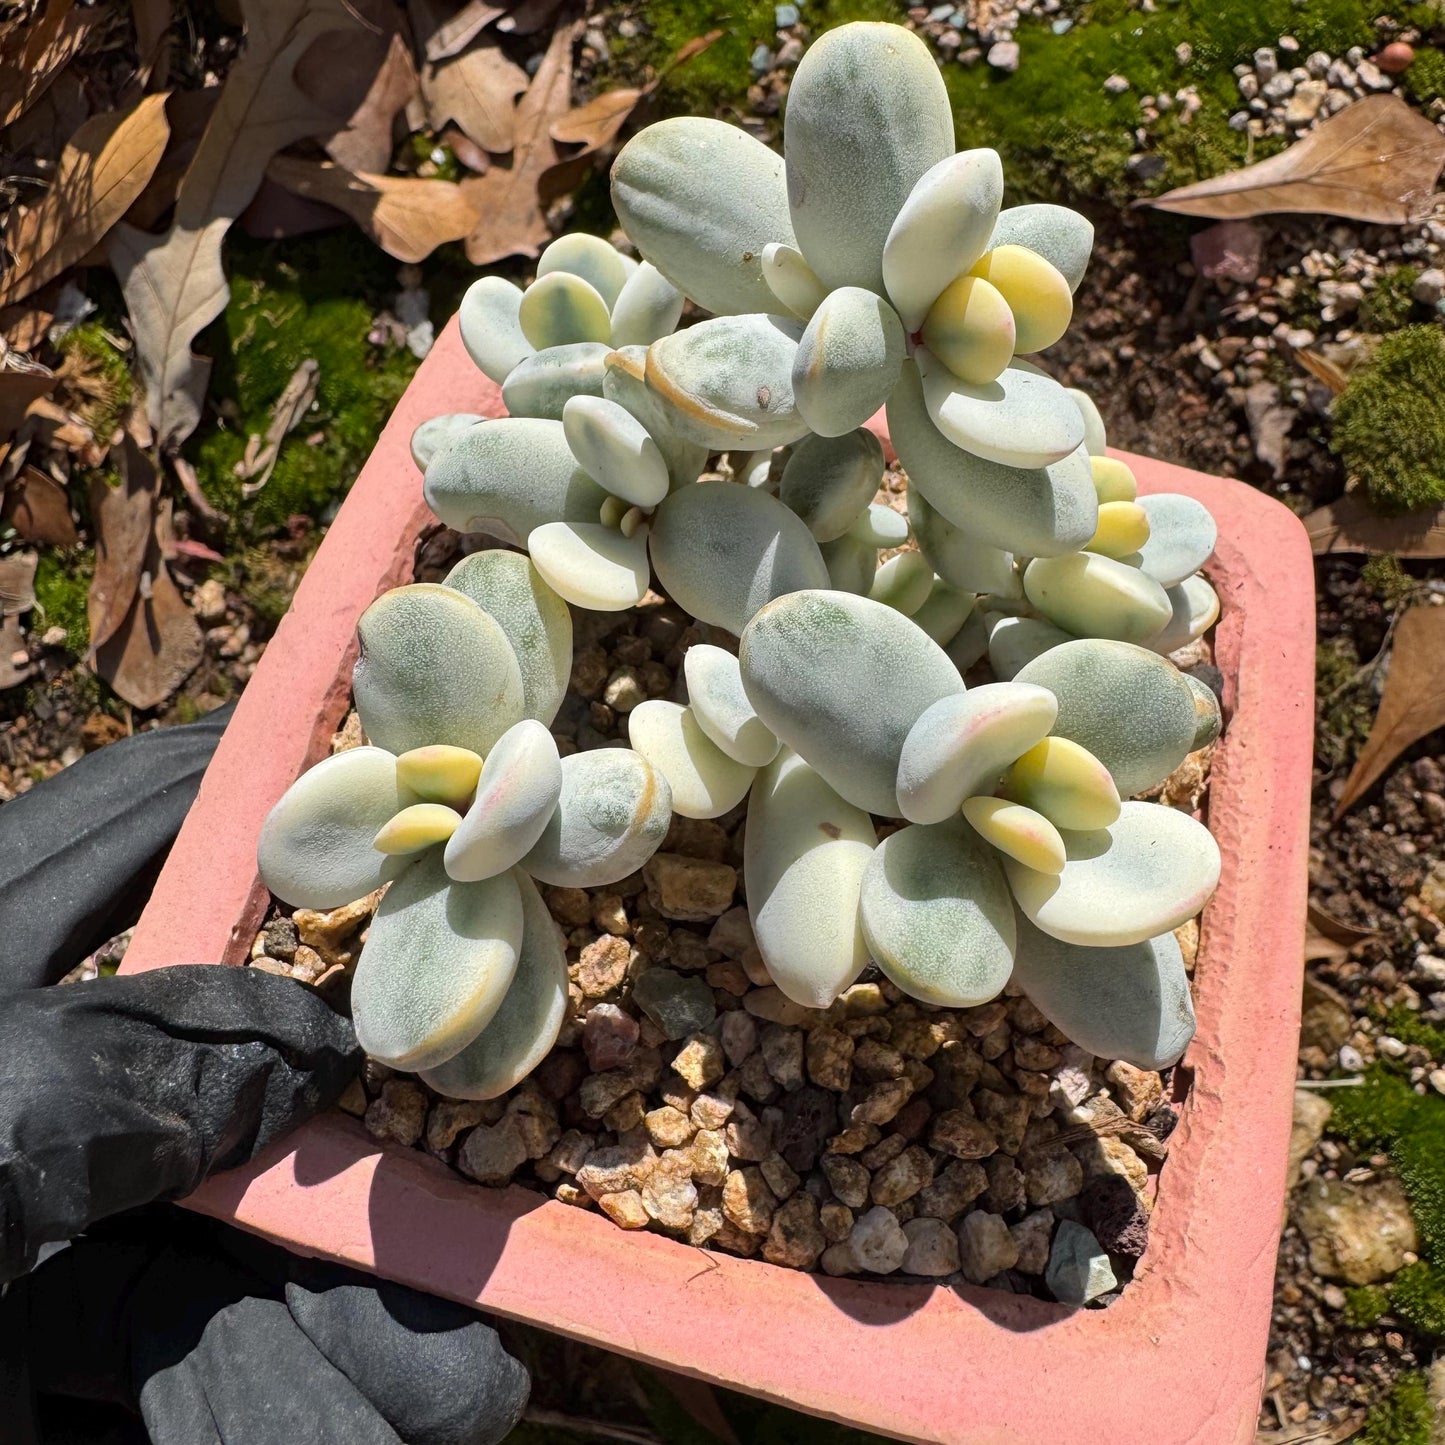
{"points": [[459, 801]]}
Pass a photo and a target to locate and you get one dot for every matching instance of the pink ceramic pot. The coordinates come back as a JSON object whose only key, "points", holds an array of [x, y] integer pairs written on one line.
{"points": [[1178, 1359]]}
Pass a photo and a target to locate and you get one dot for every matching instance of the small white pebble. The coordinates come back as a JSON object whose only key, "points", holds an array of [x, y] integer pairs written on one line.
{"points": [[1351, 1060]]}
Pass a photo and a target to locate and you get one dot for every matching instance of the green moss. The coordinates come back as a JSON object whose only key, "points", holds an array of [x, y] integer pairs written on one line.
{"points": [[312, 299], [1364, 1305], [62, 584], [1417, 1297], [1403, 1417], [1374, 1115], [110, 387], [1386, 577], [1389, 422], [1425, 79], [1410, 1028], [1344, 702], [1390, 300]]}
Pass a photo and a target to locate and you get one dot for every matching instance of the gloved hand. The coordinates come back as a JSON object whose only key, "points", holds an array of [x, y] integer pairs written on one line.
{"points": [[120, 1092]]}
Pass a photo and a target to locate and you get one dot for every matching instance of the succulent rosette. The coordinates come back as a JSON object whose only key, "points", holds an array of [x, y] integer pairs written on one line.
{"points": [[457, 804]]}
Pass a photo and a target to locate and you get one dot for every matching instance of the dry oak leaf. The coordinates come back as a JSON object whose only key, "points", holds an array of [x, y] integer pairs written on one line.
{"points": [[1351, 524], [105, 165], [124, 520], [1413, 702], [174, 284], [34, 54], [262, 453], [365, 142], [407, 217], [17, 595], [1376, 160], [446, 37], [20, 389], [511, 200], [37, 507], [474, 87], [1329, 938]]}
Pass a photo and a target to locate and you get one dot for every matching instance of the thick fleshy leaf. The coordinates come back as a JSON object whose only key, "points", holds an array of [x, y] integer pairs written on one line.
{"points": [[851, 562], [596, 261], [591, 565], [1037, 511], [944, 611], [970, 643], [804, 854], [1114, 480], [625, 383], [415, 829], [431, 436], [1195, 610], [847, 360], [1014, 642], [705, 781], [528, 1020], [700, 200], [1130, 1002], [1064, 782], [829, 481], [903, 582], [961, 746], [1064, 238], [542, 384], [970, 330], [1128, 706], [508, 587], [491, 332], [1182, 534], [729, 382], [1036, 293], [722, 551], [721, 707], [941, 231], [868, 115], [1024, 419], [957, 555], [509, 476], [434, 668], [841, 680], [1094, 596], [438, 960], [611, 818], [1141, 876], [649, 307], [438, 773], [1018, 831], [614, 449], [1095, 438], [315, 848], [881, 526], [1208, 718], [516, 797], [561, 309], [936, 914], [1123, 529], [791, 280]]}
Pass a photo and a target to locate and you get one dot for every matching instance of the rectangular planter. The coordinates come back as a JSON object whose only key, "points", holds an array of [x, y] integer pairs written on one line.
{"points": [[1179, 1358]]}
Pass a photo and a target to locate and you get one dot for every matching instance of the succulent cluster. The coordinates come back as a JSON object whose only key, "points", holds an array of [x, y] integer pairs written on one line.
{"points": [[869, 268]]}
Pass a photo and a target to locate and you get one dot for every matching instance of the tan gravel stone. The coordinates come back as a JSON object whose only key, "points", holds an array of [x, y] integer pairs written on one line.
{"points": [[1031, 1236], [985, 1246], [448, 1117], [795, 1237], [903, 1178], [689, 888], [669, 1128], [848, 1179], [830, 1058], [625, 1208], [602, 968], [747, 1201], [1139, 1091], [958, 1132], [398, 1113], [932, 1248]]}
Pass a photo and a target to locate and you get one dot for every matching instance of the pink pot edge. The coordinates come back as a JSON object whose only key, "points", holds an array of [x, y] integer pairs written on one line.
{"points": [[1178, 1360]]}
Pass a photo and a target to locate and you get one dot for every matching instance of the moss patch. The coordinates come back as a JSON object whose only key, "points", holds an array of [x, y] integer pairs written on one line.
{"points": [[62, 584], [1389, 422], [1425, 79], [1403, 1416], [99, 380], [310, 299], [1364, 1305], [1345, 705], [1389, 302], [1387, 578]]}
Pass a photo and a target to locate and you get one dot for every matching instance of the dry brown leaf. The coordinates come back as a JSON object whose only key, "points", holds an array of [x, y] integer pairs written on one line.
{"points": [[476, 89], [188, 112], [174, 284], [15, 666], [255, 468], [1376, 160], [593, 125], [24, 327], [1351, 524], [39, 52], [103, 169], [511, 200], [124, 519], [1329, 938], [407, 217], [1413, 703], [152, 21], [19, 390], [37, 507], [365, 143], [456, 32], [17, 583], [1328, 372]]}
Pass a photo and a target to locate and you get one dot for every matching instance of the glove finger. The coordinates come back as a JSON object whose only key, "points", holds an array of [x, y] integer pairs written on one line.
{"points": [[126, 1090], [79, 852], [435, 1370]]}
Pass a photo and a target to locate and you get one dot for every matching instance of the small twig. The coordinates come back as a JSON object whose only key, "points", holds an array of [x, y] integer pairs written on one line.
{"points": [[578, 1425], [1329, 1083]]}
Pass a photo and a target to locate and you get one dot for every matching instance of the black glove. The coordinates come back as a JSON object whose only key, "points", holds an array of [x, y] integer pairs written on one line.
{"points": [[156, 1324]]}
